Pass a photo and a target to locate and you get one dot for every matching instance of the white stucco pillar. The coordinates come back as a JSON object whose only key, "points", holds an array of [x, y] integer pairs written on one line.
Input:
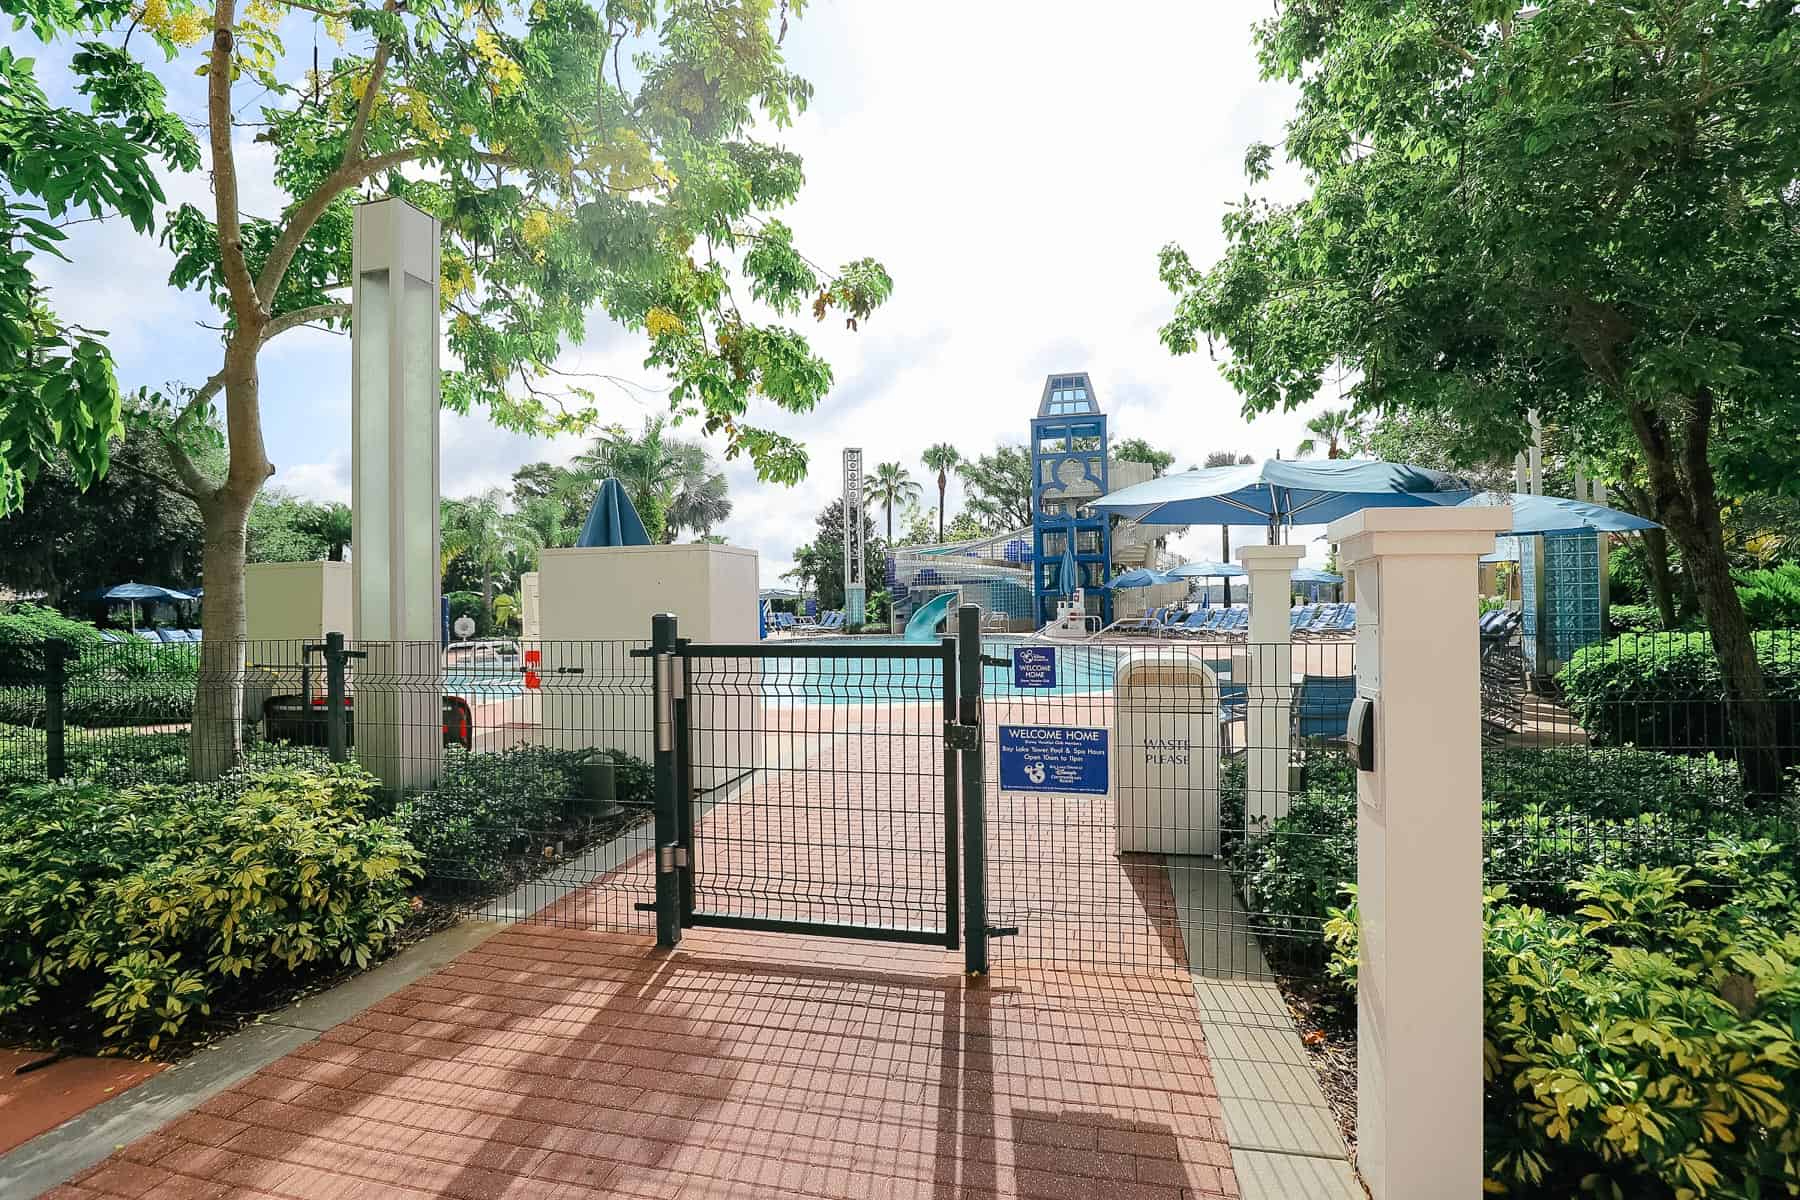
{"points": [[394, 492], [1418, 846], [1269, 717]]}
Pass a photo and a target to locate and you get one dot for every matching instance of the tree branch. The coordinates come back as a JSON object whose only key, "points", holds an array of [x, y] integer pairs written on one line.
{"points": [[224, 163], [158, 478], [278, 325], [313, 207], [360, 126]]}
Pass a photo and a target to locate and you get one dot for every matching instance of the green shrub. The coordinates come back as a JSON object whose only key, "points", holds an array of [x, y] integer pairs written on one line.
{"points": [[1548, 816], [118, 760], [104, 704], [1771, 596], [488, 808], [1634, 618], [1665, 691], [23, 630], [1648, 1045], [128, 911]]}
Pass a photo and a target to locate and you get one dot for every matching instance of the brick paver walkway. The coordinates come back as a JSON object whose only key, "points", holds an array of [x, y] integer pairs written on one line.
{"points": [[560, 1062], [551, 1062]]}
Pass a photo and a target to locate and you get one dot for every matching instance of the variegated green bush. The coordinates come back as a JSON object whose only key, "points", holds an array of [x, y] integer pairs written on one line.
{"points": [[125, 913], [1648, 1046]]}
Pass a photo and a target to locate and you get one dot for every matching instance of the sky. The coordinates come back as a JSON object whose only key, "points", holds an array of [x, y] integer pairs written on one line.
{"points": [[1015, 167]]}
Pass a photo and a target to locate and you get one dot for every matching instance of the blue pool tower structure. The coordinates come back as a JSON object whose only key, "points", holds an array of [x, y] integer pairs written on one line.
{"points": [[1068, 472]]}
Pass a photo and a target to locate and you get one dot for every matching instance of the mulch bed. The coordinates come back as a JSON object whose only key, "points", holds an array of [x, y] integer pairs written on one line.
{"points": [[1326, 1019]]}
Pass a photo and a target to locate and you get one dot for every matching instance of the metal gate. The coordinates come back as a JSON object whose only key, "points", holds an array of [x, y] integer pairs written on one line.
{"points": [[819, 788]]}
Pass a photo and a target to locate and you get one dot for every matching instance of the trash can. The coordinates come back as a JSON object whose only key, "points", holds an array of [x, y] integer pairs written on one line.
{"points": [[1166, 750]]}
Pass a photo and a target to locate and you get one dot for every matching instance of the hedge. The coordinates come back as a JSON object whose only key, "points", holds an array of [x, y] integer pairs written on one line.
{"points": [[1548, 816], [127, 913], [1647, 1044], [1665, 691]]}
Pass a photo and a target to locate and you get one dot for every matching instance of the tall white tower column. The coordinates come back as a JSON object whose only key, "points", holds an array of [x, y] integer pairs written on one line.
{"points": [[394, 492], [1269, 711]]}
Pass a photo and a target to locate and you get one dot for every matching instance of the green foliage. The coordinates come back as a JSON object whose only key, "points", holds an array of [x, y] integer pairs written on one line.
{"points": [[1138, 450], [821, 561], [128, 913], [286, 528], [1771, 596], [1648, 1043], [890, 483], [1634, 618], [1665, 691], [878, 607], [1548, 816], [999, 489], [23, 630], [673, 484], [489, 810]]}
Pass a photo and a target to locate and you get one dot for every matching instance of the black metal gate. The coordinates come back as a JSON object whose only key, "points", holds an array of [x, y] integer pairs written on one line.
{"points": [[819, 788]]}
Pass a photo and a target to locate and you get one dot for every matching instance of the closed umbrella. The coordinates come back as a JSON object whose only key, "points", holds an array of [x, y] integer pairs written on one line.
{"points": [[613, 521], [1068, 575], [1280, 493]]}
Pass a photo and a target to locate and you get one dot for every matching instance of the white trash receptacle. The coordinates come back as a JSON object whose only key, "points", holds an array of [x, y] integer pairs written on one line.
{"points": [[1166, 749]]}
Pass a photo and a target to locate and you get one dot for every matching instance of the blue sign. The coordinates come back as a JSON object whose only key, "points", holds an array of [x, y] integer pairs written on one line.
{"points": [[1034, 667], [1053, 758]]}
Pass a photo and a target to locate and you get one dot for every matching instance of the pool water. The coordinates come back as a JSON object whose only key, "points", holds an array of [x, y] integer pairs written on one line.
{"points": [[480, 686], [1079, 669]]}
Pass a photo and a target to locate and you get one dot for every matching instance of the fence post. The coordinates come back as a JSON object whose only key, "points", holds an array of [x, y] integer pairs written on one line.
{"points": [[1269, 707], [56, 675], [974, 787], [336, 744], [669, 850], [1418, 846]]}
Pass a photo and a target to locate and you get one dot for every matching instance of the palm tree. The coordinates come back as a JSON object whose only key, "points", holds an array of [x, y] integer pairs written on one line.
{"points": [[699, 501], [942, 458], [891, 484], [1332, 425], [330, 524], [474, 529], [646, 464]]}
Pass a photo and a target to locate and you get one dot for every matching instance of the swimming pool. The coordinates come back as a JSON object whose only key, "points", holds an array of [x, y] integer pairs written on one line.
{"points": [[1080, 669]]}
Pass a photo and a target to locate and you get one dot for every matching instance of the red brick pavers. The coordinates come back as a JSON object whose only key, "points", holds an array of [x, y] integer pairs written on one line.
{"points": [[554, 1062], [561, 1061]]}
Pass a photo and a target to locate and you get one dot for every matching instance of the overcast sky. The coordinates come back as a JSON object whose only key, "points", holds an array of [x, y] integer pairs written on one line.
{"points": [[1016, 167]]}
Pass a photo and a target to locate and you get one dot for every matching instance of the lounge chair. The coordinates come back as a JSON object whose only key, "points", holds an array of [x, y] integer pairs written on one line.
{"points": [[832, 621], [1322, 706], [785, 622], [1154, 622]]}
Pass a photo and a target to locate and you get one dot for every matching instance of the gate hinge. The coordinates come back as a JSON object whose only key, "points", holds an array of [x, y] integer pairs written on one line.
{"points": [[958, 736], [671, 856], [988, 660], [994, 931]]}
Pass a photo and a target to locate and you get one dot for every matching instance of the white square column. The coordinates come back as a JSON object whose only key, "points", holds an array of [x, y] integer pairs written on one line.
{"points": [[1418, 846], [1269, 710], [394, 492]]}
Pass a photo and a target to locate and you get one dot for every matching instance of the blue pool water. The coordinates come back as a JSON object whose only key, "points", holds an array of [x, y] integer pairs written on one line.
{"points": [[1079, 669]]}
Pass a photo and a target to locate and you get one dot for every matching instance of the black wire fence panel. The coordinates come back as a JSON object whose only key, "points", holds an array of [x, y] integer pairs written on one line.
{"points": [[1200, 852], [816, 785]]}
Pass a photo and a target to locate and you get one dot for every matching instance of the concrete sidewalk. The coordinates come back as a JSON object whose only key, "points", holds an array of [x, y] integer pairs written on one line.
{"points": [[549, 1062]]}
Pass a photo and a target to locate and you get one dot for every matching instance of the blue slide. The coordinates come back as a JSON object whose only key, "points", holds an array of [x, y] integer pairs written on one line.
{"points": [[931, 614]]}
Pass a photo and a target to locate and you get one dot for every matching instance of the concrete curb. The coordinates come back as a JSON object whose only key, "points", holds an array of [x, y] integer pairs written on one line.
{"points": [[53, 1157]]}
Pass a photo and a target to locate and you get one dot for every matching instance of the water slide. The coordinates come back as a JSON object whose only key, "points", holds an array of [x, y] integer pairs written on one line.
{"points": [[924, 624]]}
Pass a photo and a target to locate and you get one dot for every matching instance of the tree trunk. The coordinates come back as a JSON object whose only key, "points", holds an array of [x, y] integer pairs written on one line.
{"points": [[1661, 578], [218, 728], [943, 482], [1686, 497], [1224, 543]]}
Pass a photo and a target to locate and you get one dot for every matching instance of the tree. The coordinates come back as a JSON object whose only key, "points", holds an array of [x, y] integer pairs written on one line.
{"points": [[474, 534], [124, 526], [965, 528], [671, 483], [1331, 426], [554, 499], [821, 561], [288, 528], [1138, 450], [562, 185], [1583, 210], [888, 485], [700, 500], [944, 459], [999, 489]]}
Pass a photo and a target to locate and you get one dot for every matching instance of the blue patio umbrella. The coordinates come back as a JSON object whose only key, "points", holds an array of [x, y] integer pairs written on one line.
{"points": [[1314, 575], [131, 593], [1139, 577], [613, 521], [1211, 570], [1280, 493], [1559, 514], [1068, 576]]}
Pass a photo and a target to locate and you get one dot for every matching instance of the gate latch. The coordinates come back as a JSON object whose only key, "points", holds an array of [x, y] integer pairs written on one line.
{"points": [[958, 736], [671, 856]]}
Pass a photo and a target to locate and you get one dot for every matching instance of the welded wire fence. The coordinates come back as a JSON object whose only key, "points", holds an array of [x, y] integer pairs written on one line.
{"points": [[1203, 850]]}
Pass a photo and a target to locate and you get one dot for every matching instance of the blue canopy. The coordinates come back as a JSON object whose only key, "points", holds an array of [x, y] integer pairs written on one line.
{"points": [[1068, 576], [1314, 575], [1209, 570], [613, 521], [143, 591], [1559, 514], [1278, 492], [1139, 577]]}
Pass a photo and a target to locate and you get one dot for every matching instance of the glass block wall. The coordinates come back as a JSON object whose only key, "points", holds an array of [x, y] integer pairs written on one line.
{"points": [[1570, 606]]}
